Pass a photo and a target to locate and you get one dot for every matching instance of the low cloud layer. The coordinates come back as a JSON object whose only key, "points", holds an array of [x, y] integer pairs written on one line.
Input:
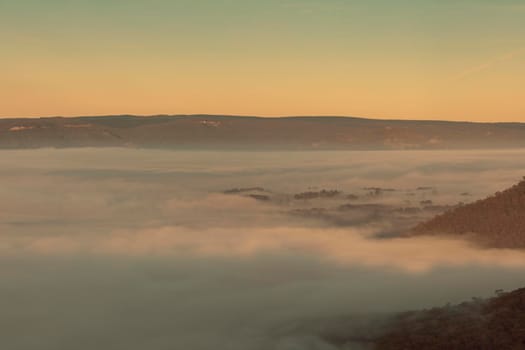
{"points": [[345, 247], [134, 249]]}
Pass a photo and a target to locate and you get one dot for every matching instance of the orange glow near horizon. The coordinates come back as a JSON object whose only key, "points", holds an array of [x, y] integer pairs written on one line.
{"points": [[371, 60]]}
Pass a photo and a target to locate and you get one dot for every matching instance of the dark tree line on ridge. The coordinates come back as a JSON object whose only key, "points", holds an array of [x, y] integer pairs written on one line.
{"points": [[497, 221]]}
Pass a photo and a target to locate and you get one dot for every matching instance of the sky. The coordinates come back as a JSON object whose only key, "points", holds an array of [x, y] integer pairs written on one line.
{"points": [[403, 59]]}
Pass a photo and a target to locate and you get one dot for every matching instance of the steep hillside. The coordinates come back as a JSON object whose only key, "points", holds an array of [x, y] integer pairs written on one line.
{"points": [[498, 323], [497, 221], [230, 132], [479, 324]]}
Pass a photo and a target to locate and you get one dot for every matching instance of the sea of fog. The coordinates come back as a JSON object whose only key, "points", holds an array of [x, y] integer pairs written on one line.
{"points": [[142, 249]]}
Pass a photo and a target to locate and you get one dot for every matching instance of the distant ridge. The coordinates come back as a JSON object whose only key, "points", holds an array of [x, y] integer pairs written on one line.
{"points": [[497, 221], [254, 133]]}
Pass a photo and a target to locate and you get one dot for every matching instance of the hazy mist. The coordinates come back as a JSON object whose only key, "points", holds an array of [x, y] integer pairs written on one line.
{"points": [[142, 249]]}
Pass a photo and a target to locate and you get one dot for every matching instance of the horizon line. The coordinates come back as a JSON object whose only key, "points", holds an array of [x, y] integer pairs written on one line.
{"points": [[397, 119]]}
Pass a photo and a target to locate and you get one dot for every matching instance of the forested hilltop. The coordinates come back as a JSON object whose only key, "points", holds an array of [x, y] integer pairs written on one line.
{"points": [[497, 221], [497, 323]]}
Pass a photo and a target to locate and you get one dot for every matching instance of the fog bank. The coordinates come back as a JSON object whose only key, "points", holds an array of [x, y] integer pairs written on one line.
{"points": [[134, 249]]}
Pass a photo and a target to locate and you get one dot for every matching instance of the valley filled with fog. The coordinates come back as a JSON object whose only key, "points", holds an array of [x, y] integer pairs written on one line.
{"points": [[145, 249]]}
